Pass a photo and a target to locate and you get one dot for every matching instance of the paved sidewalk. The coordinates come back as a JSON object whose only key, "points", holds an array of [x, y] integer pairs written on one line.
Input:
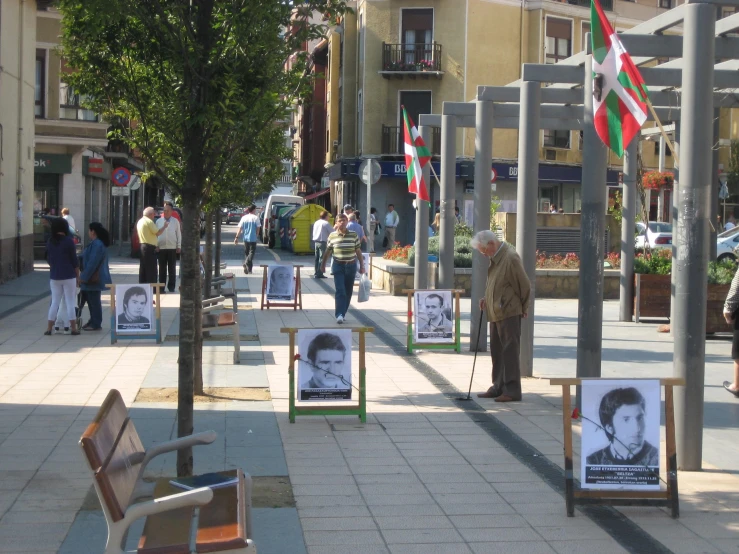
{"points": [[425, 474]]}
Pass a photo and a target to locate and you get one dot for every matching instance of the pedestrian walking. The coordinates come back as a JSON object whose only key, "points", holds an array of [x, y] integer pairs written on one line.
{"points": [[374, 229], [506, 301], [63, 275], [249, 226], [343, 244], [70, 220], [355, 227], [731, 309], [321, 230], [149, 234], [391, 223], [95, 274], [169, 244]]}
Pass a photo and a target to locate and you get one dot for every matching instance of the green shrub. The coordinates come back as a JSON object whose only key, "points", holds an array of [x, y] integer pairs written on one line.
{"points": [[462, 251], [721, 273], [463, 230], [660, 263]]}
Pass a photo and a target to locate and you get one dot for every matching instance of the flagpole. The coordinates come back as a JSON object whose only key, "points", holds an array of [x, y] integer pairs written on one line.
{"points": [[664, 133], [434, 172]]}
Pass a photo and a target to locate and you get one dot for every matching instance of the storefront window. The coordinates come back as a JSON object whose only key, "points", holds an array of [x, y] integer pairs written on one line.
{"points": [[45, 202]]}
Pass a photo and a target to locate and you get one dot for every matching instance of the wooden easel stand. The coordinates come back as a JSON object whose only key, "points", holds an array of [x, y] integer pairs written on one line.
{"points": [[666, 498], [295, 304], [157, 335], [359, 409], [456, 345]]}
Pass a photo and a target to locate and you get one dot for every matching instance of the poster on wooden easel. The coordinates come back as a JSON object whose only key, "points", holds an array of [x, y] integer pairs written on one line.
{"points": [[324, 364], [280, 283], [434, 321], [620, 434], [134, 309]]}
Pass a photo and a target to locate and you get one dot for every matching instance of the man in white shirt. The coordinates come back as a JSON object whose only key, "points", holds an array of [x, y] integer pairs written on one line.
{"points": [[168, 246], [356, 227], [731, 223], [321, 230], [391, 222]]}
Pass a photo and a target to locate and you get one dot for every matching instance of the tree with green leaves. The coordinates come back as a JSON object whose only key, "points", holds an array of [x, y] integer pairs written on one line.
{"points": [[201, 80]]}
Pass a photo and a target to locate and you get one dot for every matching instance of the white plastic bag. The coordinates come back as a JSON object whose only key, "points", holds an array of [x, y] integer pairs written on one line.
{"points": [[365, 285]]}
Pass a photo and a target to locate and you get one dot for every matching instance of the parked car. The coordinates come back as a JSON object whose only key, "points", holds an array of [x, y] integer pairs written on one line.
{"points": [[233, 215], [726, 242], [658, 234]]}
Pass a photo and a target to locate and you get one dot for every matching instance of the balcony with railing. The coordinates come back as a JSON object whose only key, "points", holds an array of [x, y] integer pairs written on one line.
{"points": [[393, 142], [607, 5], [411, 60]]}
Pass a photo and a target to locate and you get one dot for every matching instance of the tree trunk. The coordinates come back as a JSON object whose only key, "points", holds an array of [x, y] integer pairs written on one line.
{"points": [[217, 252], [208, 257], [190, 312]]}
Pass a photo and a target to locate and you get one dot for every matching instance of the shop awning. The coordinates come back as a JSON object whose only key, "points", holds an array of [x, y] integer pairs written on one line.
{"points": [[317, 194]]}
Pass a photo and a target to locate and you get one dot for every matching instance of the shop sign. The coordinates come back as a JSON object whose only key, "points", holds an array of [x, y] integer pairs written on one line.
{"points": [[52, 163], [96, 167]]}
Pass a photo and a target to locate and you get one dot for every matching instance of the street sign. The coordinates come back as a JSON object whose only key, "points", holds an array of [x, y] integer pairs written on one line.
{"points": [[493, 176], [120, 191], [135, 183], [370, 171], [121, 177]]}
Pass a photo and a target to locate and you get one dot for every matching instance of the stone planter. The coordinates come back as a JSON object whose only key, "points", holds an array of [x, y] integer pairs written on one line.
{"points": [[652, 299]]}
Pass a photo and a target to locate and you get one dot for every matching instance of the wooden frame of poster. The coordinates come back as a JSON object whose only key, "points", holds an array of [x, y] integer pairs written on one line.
{"points": [[456, 345], [295, 304], [661, 498], [359, 409], [156, 335]]}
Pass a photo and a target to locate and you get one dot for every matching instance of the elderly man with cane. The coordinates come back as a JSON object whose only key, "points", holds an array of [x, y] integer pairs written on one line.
{"points": [[506, 301]]}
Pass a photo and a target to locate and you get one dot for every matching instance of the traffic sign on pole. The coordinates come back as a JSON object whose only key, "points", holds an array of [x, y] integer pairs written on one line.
{"points": [[121, 176]]}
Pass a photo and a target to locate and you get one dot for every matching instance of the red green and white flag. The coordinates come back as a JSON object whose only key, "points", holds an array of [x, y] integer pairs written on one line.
{"points": [[417, 155], [621, 108]]}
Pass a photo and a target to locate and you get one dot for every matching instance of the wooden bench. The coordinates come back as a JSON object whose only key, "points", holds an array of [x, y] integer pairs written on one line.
{"points": [[174, 523], [221, 320]]}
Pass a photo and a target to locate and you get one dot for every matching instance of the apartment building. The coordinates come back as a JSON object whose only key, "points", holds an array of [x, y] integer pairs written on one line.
{"points": [[421, 53]]}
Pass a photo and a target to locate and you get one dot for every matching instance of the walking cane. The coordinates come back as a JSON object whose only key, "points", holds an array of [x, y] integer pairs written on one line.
{"points": [[479, 329]]}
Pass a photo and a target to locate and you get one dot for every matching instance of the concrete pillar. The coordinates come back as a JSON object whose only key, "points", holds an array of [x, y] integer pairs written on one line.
{"points": [[628, 224], [713, 189], [421, 268], [592, 238], [691, 266], [448, 181], [528, 184], [481, 217], [661, 167]]}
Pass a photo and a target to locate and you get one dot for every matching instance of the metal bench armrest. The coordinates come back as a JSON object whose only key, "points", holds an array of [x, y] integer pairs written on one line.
{"points": [[213, 308], [206, 437], [214, 300], [197, 497]]}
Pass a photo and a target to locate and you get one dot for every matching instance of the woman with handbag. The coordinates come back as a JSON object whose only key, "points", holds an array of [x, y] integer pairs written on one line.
{"points": [[96, 274], [64, 273]]}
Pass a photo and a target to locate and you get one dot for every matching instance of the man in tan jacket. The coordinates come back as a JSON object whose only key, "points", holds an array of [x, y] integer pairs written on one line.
{"points": [[506, 301]]}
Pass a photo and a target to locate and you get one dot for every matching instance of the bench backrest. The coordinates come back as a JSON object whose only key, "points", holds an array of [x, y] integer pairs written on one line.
{"points": [[100, 436], [117, 477]]}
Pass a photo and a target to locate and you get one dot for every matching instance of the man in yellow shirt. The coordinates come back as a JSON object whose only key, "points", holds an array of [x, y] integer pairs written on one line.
{"points": [[148, 233]]}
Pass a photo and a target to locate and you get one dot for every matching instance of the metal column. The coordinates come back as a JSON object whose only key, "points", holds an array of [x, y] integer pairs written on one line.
{"points": [[661, 168], [448, 170], [713, 188], [628, 222], [528, 186], [481, 219], [592, 236], [421, 268], [690, 267]]}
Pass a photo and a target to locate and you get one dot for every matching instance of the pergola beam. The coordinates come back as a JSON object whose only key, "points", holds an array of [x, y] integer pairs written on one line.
{"points": [[665, 46]]}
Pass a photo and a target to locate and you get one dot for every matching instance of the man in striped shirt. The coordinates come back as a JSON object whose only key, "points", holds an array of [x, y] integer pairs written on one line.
{"points": [[344, 245]]}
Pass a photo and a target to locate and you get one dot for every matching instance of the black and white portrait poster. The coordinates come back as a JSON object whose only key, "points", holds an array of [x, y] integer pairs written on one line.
{"points": [[434, 322], [620, 434], [280, 283], [366, 257], [325, 364], [133, 309]]}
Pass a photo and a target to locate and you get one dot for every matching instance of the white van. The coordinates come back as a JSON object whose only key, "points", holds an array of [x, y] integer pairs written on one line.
{"points": [[268, 224]]}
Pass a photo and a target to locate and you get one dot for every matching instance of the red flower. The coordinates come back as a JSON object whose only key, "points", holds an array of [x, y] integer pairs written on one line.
{"points": [[575, 414], [410, 314], [297, 357]]}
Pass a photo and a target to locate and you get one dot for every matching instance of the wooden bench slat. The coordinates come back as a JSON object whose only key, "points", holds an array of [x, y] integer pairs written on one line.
{"points": [[99, 438], [169, 532], [118, 475], [224, 319], [222, 522]]}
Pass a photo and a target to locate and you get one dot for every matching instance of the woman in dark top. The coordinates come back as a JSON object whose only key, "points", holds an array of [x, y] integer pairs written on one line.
{"points": [[64, 275], [96, 274]]}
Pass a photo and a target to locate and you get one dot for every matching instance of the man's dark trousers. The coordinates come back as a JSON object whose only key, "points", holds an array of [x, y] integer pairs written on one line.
{"points": [[505, 347], [344, 284], [168, 266], [249, 249], [320, 248], [148, 264]]}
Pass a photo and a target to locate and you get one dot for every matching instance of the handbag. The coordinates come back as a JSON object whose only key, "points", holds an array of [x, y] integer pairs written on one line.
{"points": [[365, 285]]}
